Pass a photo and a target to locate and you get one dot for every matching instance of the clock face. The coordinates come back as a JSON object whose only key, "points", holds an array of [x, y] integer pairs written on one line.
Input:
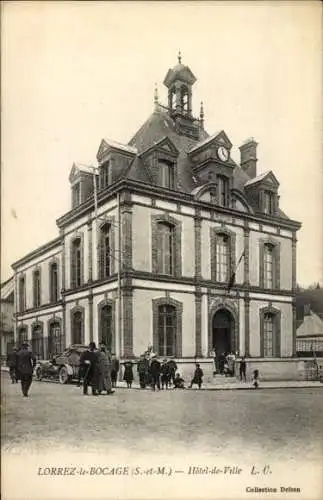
{"points": [[223, 153]]}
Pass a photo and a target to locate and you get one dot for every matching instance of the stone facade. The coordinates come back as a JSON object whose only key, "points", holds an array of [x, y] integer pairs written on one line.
{"points": [[183, 220]]}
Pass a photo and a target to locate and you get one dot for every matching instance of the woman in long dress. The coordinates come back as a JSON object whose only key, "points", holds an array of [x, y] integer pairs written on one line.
{"points": [[104, 378]]}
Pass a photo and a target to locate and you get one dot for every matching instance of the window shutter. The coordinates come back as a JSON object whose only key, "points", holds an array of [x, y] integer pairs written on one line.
{"points": [[262, 334], [277, 266]]}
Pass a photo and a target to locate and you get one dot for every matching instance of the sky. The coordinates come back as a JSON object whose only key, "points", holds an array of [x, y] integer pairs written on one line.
{"points": [[75, 72]]}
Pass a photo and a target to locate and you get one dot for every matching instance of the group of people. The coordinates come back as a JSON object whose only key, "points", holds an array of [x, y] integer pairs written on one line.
{"points": [[21, 363], [98, 369]]}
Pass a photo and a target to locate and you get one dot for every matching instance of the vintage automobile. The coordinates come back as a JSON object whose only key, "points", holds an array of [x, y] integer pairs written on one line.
{"points": [[62, 367]]}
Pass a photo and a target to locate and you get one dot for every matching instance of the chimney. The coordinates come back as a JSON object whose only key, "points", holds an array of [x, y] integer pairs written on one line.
{"points": [[248, 157]]}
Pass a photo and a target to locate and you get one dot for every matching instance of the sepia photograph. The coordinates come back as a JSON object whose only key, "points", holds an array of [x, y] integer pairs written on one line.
{"points": [[161, 258]]}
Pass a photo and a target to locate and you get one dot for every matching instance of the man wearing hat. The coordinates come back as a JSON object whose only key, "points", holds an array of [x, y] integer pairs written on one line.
{"points": [[26, 362]]}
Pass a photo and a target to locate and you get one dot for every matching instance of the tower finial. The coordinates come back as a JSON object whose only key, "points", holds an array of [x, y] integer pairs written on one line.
{"points": [[202, 115], [179, 57]]}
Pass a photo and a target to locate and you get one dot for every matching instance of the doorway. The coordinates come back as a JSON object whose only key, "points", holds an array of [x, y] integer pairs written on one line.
{"points": [[223, 332]]}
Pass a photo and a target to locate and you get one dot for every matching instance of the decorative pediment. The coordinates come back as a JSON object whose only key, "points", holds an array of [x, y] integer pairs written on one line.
{"points": [[108, 145], [78, 170], [265, 179], [165, 146], [212, 142]]}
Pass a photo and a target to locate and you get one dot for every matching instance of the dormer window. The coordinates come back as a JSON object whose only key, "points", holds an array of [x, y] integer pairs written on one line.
{"points": [[166, 174], [105, 175], [76, 195], [268, 203]]}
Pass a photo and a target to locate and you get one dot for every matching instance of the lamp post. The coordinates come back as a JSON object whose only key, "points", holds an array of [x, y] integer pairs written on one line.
{"points": [[95, 170]]}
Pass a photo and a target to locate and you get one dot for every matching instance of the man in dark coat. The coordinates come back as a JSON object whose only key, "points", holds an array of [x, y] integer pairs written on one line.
{"points": [[12, 365], [142, 369], [90, 369], [172, 367], [155, 373], [25, 364]]}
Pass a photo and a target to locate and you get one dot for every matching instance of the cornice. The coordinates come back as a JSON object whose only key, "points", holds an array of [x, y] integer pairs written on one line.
{"points": [[172, 196], [37, 252]]}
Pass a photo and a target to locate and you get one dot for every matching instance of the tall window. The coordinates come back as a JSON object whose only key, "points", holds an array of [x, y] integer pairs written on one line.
{"points": [[77, 327], [166, 330], [55, 339], [269, 335], [22, 294], [37, 342], [106, 333], [166, 174], [222, 258], [105, 251], [105, 174], [53, 283], [76, 261], [268, 266], [172, 99], [166, 248], [184, 99], [268, 203], [76, 195], [36, 288], [22, 335], [223, 191]]}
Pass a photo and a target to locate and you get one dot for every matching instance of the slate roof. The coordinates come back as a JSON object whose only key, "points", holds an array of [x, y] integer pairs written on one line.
{"points": [[312, 325]]}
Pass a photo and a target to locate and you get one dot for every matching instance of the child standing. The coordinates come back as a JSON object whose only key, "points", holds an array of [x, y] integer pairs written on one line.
{"points": [[255, 379], [198, 376], [128, 374]]}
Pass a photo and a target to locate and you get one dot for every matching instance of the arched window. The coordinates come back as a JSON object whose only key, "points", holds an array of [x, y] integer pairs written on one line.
{"points": [[166, 330], [166, 174], [55, 339], [77, 327], [222, 258], [268, 334], [106, 326], [22, 335], [53, 282], [184, 99], [223, 191], [268, 266], [36, 287], [37, 341], [76, 262], [172, 99], [105, 251], [166, 248], [22, 294]]}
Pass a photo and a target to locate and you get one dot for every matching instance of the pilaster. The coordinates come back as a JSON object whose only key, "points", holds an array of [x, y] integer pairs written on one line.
{"points": [[247, 325], [198, 322], [246, 234]]}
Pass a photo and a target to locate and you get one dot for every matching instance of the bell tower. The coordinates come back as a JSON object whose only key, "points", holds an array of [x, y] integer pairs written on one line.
{"points": [[179, 82]]}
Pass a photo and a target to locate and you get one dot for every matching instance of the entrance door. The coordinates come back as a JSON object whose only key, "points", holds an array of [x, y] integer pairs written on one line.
{"points": [[223, 332]]}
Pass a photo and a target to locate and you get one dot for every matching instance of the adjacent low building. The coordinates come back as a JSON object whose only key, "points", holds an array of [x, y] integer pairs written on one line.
{"points": [[7, 317], [146, 254]]}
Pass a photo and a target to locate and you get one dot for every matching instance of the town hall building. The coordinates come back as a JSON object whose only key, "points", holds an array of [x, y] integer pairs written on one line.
{"points": [[169, 243]]}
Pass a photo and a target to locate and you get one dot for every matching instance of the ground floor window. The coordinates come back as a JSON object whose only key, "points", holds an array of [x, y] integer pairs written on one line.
{"points": [[55, 339], [37, 342], [77, 327], [166, 330], [106, 326], [22, 335]]}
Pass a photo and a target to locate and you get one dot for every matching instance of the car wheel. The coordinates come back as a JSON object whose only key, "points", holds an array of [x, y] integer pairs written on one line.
{"points": [[39, 374], [63, 375]]}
